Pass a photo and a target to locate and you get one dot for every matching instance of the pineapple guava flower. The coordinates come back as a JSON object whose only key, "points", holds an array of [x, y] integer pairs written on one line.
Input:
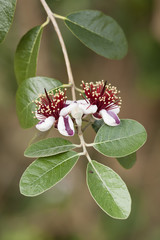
{"points": [[105, 98], [48, 111], [77, 109]]}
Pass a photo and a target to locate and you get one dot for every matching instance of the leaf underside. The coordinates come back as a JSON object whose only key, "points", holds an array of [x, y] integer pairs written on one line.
{"points": [[7, 9], [45, 172], [108, 190], [48, 147]]}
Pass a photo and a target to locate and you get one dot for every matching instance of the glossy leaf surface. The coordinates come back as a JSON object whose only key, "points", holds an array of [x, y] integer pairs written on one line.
{"points": [[121, 140], [45, 172], [108, 190], [25, 62], [28, 92], [7, 9], [98, 32], [48, 147]]}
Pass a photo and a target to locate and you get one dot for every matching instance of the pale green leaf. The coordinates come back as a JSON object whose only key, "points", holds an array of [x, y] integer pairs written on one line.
{"points": [[127, 161], [45, 172], [98, 32], [121, 140], [108, 190], [7, 9], [48, 147], [25, 62], [28, 91]]}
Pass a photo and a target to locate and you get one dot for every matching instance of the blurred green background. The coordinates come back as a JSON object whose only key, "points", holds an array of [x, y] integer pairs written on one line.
{"points": [[67, 212]]}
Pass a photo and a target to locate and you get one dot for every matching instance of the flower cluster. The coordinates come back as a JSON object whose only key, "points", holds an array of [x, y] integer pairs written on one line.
{"points": [[105, 98], [48, 111], [100, 100]]}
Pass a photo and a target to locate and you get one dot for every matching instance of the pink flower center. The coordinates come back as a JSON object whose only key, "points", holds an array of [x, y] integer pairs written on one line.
{"points": [[101, 94]]}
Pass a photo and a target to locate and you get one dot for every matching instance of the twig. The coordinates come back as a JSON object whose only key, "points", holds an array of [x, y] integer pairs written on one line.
{"points": [[52, 16], [68, 66], [83, 144]]}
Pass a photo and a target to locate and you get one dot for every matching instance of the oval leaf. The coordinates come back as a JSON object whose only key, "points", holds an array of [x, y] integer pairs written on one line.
{"points": [[44, 173], [25, 62], [127, 161], [121, 140], [98, 32], [7, 9], [108, 190], [48, 147], [29, 91]]}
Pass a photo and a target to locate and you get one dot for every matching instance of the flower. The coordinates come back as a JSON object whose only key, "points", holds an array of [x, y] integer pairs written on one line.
{"points": [[77, 109], [105, 98], [48, 111]]}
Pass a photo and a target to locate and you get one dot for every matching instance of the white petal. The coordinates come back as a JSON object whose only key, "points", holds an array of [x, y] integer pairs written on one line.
{"points": [[65, 126], [77, 112], [40, 116], [66, 110], [79, 121], [115, 109], [69, 101], [46, 124], [109, 117], [83, 101], [88, 109]]}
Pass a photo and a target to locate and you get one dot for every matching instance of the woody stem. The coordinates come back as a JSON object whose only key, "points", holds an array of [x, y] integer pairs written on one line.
{"points": [[83, 144], [64, 50], [51, 16]]}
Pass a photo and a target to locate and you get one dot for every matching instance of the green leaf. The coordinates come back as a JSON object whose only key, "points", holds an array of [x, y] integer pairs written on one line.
{"points": [[48, 147], [98, 32], [97, 124], [38, 136], [121, 140], [25, 62], [28, 91], [45, 172], [127, 161], [108, 190], [7, 9]]}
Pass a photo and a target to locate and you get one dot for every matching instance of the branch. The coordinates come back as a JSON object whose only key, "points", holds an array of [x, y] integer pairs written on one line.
{"points": [[64, 50], [52, 16]]}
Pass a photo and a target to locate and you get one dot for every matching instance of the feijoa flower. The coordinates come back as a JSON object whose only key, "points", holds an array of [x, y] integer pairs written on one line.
{"points": [[104, 96]]}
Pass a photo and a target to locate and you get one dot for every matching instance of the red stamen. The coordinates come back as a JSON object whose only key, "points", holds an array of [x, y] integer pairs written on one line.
{"points": [[47, 95], [102, 95], [103, 89], [51, 105]]}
